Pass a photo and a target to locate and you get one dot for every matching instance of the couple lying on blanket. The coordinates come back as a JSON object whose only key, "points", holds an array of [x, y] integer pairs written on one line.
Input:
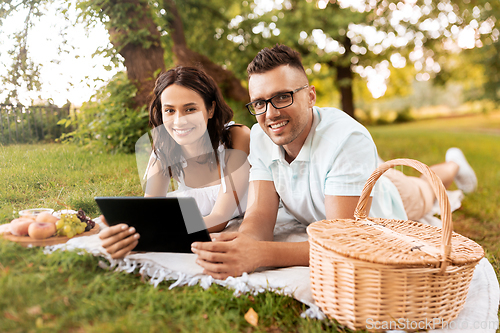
{"points": [[314, 160]]}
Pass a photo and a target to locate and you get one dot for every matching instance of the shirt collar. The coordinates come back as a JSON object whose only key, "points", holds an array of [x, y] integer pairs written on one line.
{"points": [[278, 153]]}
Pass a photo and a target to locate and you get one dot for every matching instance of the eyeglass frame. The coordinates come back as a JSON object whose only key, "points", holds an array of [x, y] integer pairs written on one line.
{"points": [[269, 100]]}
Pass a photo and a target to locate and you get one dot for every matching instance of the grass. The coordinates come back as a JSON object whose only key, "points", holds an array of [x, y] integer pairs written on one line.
{"points": [[56, 176], [67, 292]]}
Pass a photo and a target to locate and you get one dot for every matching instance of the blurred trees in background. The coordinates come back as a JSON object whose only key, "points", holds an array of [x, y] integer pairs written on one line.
{"points": [[352, 50], [23, 71], [136, 28], [488, 56], [344, 40]]}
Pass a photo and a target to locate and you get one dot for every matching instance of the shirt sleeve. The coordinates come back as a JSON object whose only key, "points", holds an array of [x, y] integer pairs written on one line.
{"points": [[352, 166], [259, 170]]}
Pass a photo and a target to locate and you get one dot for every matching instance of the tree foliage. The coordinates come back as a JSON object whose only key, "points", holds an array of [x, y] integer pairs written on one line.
{"points": [[341, 41], [110, 121], [148, 34], [350, 38], [489, 55], [134, 35], [24, 73]]}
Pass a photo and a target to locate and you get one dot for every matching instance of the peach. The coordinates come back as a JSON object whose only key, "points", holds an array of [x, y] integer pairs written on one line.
{"points": [[46, 217], [19, 227], [41, 230], [4, 228]]}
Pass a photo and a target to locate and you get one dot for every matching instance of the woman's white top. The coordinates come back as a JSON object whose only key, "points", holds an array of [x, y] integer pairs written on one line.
{"points": [[205, 197]]}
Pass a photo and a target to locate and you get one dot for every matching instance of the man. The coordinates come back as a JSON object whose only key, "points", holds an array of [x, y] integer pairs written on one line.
{"points": [[315, 161]]}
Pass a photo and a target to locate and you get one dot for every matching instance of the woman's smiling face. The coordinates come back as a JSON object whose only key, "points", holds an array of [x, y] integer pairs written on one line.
{"points": [[184, 114]]}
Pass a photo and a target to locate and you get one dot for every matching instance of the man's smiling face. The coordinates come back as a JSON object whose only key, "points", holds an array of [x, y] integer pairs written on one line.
{"points": [[290, 125]]}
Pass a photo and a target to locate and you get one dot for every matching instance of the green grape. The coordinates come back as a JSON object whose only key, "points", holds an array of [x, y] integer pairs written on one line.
{"points": [[70, 225]]}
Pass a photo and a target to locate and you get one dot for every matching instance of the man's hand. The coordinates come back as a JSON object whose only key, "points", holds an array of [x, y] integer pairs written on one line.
{"points": [[229, 254], [118, 240]]}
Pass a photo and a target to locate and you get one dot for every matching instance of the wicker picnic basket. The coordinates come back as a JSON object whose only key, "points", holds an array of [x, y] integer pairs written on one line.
{"points": [[369, 273]]}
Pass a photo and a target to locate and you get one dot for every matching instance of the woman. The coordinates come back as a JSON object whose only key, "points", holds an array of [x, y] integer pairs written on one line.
{"points": [[197, 146]]}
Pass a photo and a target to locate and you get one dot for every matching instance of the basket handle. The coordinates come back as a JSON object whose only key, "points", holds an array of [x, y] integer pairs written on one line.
{"points": [[438, 188]]}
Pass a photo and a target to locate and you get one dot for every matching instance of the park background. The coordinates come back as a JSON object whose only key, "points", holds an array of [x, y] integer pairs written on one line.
{"points": [[422, 75]]}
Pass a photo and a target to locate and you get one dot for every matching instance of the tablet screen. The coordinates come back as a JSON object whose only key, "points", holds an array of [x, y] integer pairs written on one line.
{"points": [[165, 224]]}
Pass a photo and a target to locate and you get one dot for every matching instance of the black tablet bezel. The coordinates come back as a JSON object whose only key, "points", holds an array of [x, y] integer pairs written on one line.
{"points": [[159, 221]]}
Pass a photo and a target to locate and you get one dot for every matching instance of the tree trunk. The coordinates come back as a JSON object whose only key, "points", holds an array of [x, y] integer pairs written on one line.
{"points": [[344, 79], [143, 55], [230, 85]]}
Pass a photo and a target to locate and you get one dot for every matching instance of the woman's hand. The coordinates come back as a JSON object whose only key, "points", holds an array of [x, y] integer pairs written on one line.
{"points": [[118, 240]]}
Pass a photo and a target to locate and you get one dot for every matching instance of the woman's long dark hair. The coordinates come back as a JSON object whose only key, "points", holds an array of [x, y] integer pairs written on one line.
{"points": [[167, 150]]}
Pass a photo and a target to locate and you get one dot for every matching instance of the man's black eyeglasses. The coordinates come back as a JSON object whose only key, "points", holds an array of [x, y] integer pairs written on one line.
{"points": [[279, 101]]}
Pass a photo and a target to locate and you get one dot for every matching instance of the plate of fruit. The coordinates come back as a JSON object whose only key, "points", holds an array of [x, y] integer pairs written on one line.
{"points": [[41, 227]]}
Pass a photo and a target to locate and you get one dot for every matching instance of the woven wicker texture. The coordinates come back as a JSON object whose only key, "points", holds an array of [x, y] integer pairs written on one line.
{"points": [[392, 242], [369, 269]]}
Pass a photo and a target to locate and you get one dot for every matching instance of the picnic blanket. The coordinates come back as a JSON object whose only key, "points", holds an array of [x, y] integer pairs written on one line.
{"points": [[480, 312]]}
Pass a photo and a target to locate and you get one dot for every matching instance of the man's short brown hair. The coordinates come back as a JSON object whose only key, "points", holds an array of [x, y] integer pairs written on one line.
{"points": [[268, 59]]}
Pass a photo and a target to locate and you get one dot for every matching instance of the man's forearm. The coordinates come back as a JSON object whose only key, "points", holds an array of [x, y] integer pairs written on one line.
{"points": [[284, 254], [258, 232], [262, 210]]}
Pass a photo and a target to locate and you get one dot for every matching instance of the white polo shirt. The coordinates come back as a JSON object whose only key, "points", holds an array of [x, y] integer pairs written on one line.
{"points": [[336, 159]]}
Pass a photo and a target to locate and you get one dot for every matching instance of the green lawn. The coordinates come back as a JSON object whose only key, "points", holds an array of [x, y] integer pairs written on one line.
{"points": [[66, 292]]}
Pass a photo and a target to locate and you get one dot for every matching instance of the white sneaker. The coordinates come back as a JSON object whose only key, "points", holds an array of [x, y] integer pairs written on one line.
{"points": [[465, 179]]}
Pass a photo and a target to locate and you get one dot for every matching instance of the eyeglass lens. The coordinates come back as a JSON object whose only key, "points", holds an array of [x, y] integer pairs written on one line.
{"points": [[279, 101]]}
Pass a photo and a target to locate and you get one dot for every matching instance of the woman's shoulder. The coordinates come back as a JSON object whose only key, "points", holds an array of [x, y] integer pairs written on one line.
{"points": [[239, 129], [240, 137]]}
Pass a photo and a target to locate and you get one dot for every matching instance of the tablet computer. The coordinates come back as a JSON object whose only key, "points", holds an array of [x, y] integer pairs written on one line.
{"points": [[165, 224]]}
